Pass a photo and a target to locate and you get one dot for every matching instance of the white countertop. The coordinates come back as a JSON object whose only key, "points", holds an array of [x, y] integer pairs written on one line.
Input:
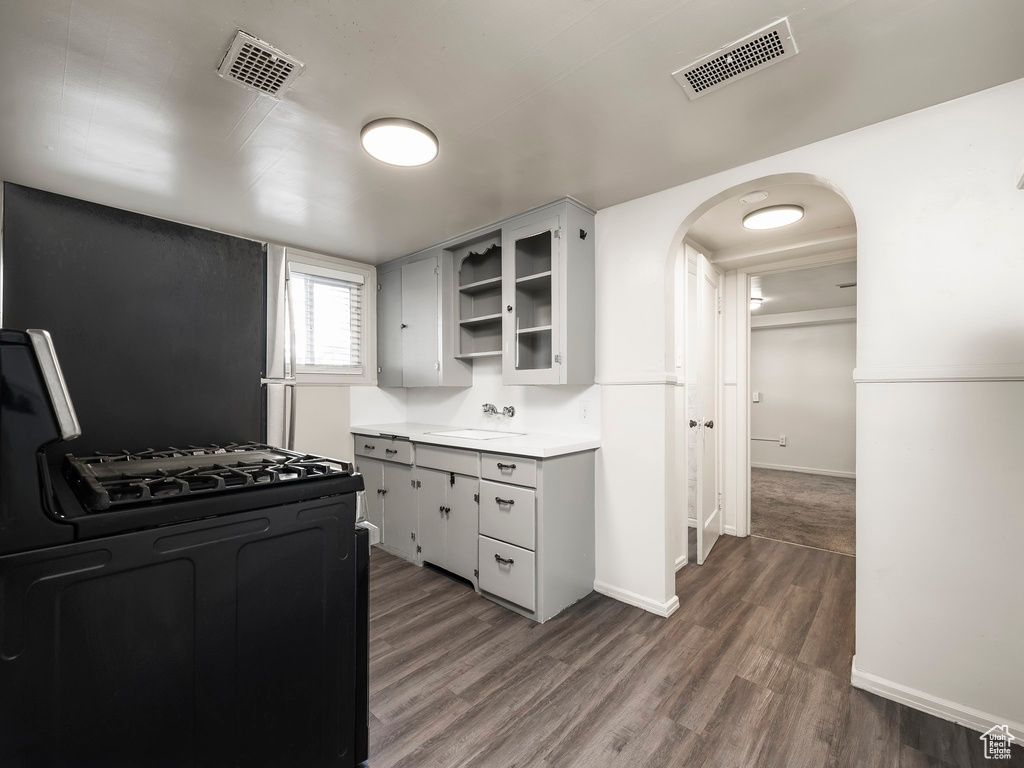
{"points": [[535, 445]]}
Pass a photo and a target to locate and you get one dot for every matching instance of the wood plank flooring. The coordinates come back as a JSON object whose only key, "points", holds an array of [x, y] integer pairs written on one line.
{"points": [[753, 669]]}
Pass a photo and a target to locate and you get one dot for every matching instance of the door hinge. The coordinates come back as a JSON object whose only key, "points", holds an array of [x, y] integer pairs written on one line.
{"points": [[415, 483], [379, 369], [412, 536], [557, 233], [476, 497], [437, 365], [452, 479], [378, 286], [418, 549], [476, 573], [558, 359], [719, 500]]}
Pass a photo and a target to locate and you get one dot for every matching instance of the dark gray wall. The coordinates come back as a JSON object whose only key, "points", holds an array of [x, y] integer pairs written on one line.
{"points": [[160, 328]]}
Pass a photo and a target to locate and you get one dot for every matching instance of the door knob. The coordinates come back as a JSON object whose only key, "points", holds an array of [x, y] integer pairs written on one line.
{"points": [[693, 423], [709, 424]]}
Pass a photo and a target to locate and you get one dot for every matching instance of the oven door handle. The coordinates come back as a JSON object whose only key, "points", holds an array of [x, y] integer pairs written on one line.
{"points": [[60, 400]]}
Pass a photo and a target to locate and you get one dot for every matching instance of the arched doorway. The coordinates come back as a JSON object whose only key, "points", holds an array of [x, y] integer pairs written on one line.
{"points": [[825, 236]]}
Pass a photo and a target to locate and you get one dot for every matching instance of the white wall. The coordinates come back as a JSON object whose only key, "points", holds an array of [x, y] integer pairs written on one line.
{"points": [[553, 410], [804, 375], [940, 456]]}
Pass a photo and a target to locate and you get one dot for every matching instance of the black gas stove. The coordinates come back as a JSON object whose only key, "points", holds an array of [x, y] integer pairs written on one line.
{"points": [[185, 606], [110, 481]]}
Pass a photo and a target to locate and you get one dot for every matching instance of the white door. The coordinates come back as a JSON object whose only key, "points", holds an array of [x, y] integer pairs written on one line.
{"points": [[709, 510]]}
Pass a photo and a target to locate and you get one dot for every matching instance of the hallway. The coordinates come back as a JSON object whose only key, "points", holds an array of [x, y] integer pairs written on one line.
{"points": [[812, 510]]}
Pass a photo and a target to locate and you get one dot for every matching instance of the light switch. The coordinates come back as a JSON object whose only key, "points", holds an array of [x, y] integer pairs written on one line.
{"points": [[757, 397]]}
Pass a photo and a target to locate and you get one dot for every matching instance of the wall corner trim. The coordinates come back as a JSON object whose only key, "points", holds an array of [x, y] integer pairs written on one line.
{"points": [[925, 702], [664, 610], [632, 379], [937, 373]]}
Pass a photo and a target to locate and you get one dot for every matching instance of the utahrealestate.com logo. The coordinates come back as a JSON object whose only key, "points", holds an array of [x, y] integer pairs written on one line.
{"points": [[997, 742]]}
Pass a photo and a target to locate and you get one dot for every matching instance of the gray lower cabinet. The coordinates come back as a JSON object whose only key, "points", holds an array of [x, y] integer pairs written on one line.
{"points": [[373, 477], [391, 491], [448, 521], [520, 529]]}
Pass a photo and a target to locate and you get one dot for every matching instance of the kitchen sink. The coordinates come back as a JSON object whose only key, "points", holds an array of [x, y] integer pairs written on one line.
{"points": [[476, 434]]}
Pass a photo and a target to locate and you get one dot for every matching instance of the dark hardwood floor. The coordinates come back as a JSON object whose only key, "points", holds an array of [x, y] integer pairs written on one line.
{"points": [[752, 670]]}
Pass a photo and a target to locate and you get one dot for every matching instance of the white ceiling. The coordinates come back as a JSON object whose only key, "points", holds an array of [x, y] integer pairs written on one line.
{"points": [[722, 229], [804, 289], [117, 101]]}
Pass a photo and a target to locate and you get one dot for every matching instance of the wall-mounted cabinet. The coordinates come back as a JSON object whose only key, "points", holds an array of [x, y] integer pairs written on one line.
{"points": [[522, 290], [414, 310], [548, 270], [478, 287]]}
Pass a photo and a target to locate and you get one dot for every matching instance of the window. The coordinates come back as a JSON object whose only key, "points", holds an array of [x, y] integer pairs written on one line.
{"points": [[328, 311]]}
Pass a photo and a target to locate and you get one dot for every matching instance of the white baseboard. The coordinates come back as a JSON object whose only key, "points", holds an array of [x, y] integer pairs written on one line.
{"points": [[680, 562], [664, 610], [729, 530], [805, 470], [933, 705]]}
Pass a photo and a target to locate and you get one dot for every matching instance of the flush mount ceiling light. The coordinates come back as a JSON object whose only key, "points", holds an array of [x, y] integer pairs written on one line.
{"points": [[396, 141], [773, 217], [754, 197]]}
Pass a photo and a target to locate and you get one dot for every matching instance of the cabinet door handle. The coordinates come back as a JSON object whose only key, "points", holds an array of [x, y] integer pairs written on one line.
{"points": [[389, 451], [500, 500], [447, 511], [506, 466], [404, 325], [383, 491], [709, 424], [508, 308], [503, 561], [368, 447], [441, 510]]}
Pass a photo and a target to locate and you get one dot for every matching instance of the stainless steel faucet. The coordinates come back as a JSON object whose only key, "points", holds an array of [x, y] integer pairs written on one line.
{"points": [[490, 408]]}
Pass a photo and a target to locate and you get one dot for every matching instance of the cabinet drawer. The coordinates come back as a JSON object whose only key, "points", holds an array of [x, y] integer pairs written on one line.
{"points": [[508, 469], [507, 513], [384, 448], [508, 572], [448, 459]]}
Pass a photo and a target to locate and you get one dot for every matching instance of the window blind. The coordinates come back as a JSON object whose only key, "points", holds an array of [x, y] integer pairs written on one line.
{"points": [[328, 320]]}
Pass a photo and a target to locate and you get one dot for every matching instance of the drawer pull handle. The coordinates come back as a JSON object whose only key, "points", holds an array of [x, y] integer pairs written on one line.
{"points": [[368, 447], [506, 466], [508, 502], [390, 450], [382, 491], [503, 561]]}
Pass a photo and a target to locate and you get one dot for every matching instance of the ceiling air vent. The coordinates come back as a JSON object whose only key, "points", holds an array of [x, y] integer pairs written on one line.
{"points": [[259, 65], [743, 57]]}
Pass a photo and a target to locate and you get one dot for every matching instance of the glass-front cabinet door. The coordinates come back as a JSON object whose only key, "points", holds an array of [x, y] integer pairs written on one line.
{"points": [[531, 257]]}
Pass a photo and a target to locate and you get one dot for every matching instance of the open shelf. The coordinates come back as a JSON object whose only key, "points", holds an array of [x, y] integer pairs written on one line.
{"points": [[481, 285], [482, 319], [537, 277], [475, 355], [535, 329]]}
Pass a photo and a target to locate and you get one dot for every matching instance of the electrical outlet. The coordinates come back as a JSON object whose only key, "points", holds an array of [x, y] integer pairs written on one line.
{"points": [[586, 411], [782, 441], [757, 397]]}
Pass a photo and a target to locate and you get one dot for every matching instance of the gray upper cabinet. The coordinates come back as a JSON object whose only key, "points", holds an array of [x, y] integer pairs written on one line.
{"points": [[548, 292], [389, 328], [413, 312], [522, 290]]}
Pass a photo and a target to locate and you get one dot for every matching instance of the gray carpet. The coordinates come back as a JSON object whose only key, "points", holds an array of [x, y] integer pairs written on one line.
{"points": [[813, 510]]}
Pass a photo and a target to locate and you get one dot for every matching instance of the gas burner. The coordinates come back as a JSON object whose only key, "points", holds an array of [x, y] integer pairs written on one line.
{"points": [[108, 481]]}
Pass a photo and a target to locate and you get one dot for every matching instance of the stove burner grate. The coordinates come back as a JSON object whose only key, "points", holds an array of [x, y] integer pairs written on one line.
{"points": [[107, 481]]}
